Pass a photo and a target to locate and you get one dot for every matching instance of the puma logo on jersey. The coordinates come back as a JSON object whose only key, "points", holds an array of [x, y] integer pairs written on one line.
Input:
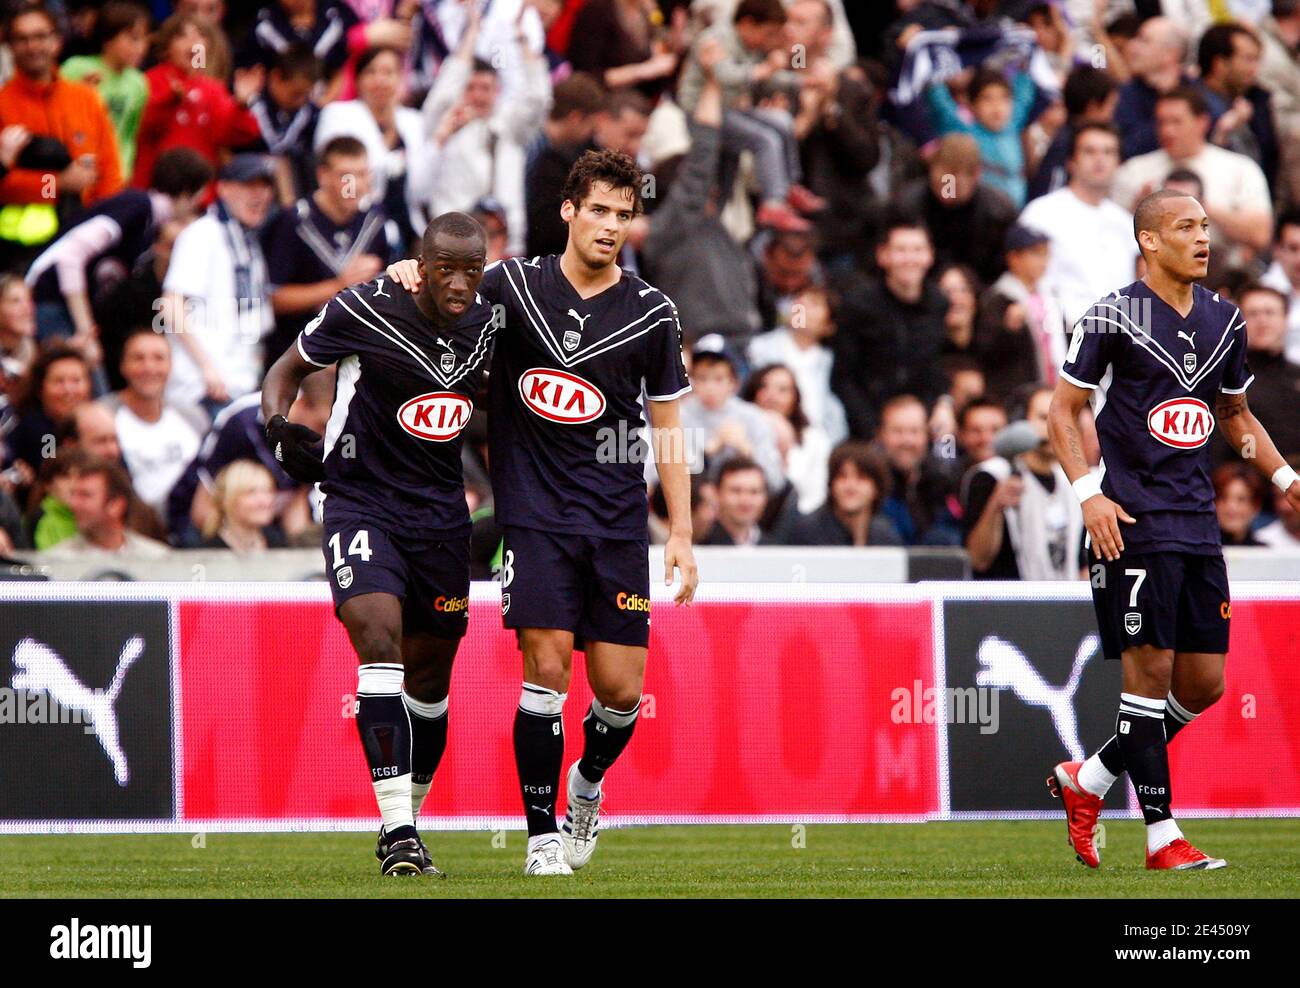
{"points": [[572, 337], [436, 417], [1184, 336], [1183, 423], [379, 290], [559, 396], [447, 360]]}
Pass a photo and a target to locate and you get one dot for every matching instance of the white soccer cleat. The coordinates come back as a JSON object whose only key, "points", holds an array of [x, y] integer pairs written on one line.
{"points": [[580, 828], [547, 858]]}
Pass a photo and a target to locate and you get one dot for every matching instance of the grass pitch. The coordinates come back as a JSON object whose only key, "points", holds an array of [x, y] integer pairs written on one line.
{"points": [[960, 859]]}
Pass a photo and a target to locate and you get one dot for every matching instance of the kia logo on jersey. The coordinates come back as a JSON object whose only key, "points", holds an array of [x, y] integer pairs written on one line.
{"points": [[1183, 423], [436, 417], [560, 396]]}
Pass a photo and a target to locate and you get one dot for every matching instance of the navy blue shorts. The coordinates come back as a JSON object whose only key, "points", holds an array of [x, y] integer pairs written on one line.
{"points": [[429, 575], [1174, 600], [597, 588]]}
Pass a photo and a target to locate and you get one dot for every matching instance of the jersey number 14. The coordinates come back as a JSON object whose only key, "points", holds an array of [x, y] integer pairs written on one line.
{"points": [[359, 546]]}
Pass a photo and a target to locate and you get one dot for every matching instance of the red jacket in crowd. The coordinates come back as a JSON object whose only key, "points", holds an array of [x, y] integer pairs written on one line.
{"points": [[192, 111]]}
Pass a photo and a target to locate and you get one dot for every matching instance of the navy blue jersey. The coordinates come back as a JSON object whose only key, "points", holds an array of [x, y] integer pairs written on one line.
{"points": [[1156, 377], [125, 223], [567, 380], [274, 32], [405, 391], [303, 246]]}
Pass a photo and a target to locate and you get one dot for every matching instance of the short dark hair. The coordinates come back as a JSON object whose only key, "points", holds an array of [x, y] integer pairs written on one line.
{"points": [[297, 61], [1288, 217], [611, 168], [1091, 128], [739, 464], [482, 65], [180, 171], [1085, 86], [1256, 288], [344, 146], [1150, 208], [115, 17], [902, 221], [1217, 42], [1189, 95], [1185, 175], [983, 79], [141, 330], [707, 358], [974, 405], [31, 7], [900, 401], [760, 11], [117, 482], [370, 54], [452, 225], [620, 101], [579, 93], [863, 457]]}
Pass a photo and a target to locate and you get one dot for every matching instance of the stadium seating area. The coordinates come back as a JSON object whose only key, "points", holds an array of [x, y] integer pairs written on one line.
{"points": [[878, 238]]}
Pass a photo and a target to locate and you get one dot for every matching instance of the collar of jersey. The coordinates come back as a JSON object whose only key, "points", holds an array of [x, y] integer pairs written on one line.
{"points": [[638, 327], [1153, 346], [365, 314]]}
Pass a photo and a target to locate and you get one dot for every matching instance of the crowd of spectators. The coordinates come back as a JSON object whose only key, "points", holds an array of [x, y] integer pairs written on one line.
{"points": [[878, 221]]}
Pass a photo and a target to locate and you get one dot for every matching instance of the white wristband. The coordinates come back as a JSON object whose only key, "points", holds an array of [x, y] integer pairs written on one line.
{"points": [[1087, 486], [1284, 476]]}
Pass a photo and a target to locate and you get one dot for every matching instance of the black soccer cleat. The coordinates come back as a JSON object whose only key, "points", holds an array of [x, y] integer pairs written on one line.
{"points": [[426, 867], [404, 858]]}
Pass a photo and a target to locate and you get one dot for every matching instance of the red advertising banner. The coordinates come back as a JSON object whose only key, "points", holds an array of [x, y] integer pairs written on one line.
{"points": [[752, 709], [1244, 752]]}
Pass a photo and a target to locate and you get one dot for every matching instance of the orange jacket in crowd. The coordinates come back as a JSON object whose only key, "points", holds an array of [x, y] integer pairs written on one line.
{"points": [[188, 111], [71, 112]]}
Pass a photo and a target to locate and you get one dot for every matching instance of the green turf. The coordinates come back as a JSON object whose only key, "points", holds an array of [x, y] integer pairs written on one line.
{"points": [[1028, 858]]}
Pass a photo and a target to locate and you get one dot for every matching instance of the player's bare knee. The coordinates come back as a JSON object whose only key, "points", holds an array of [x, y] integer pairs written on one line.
{"points": [[427, 685], [376, 643], [1202, 696], [625, 697], [1149, 670], [549, 671]]}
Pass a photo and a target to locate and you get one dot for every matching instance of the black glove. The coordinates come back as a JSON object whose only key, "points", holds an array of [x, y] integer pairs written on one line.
{"points": [[297, 449]]}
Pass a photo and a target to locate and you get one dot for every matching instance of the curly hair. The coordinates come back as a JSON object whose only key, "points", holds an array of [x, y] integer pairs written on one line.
{"points": [[611, 168]]}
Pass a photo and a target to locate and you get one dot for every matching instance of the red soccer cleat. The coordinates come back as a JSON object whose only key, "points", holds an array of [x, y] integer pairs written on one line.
{"points": [[1179, 855], [1082, 809]]}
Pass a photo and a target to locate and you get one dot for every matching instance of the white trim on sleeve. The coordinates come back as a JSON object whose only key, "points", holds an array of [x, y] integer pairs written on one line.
{"points": [[1238, 391], [1082, 384], [298, 342], [669, 397]]}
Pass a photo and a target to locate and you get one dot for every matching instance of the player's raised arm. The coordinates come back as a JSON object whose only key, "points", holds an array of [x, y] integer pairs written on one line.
{"points": [[1252, 442], [1101, 515], [670, 461]]}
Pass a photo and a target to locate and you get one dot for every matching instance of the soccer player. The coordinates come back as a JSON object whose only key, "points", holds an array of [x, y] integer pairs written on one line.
{"points": [[396, 526], [1154, 357], [580, 338]]}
